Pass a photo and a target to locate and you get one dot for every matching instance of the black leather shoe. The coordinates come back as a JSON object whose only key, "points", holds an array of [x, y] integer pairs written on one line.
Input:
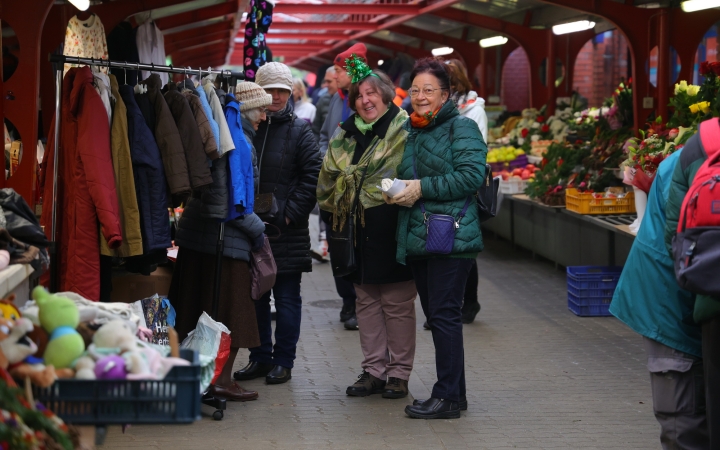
{"points": [[462, 404], [434, 408], [352, 323], [426, 325], [279, 375], [252, 370], [346, 313], [469, 312]]}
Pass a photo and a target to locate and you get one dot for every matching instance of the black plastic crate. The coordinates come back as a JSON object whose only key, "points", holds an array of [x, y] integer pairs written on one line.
{"points": [[174, 399]]}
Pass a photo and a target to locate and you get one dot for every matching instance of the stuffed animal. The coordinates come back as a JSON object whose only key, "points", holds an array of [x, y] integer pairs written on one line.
{"points": [[15, 347], [59, 316], [8, 309], [111, 367], [118, 336]]}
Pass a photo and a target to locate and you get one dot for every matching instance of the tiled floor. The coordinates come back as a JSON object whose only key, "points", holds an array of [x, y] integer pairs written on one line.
{"points": [[538, 377]]}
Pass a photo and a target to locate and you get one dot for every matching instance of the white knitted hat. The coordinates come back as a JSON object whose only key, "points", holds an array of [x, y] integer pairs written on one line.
{"points": [[274, 75], [251, 96]]}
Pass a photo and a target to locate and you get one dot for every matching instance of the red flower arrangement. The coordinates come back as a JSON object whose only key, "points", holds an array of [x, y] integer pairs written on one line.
{"points": [[540, 119], [524, 132], [545, 128], [707, 67]]}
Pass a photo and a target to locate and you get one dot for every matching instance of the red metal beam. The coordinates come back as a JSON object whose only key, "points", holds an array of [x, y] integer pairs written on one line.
{"points": [[196, 42], [394, 46], [194, 33], [347, 8], [197, 15], [320, 26], [290, 46], [430, 36], [305, 36], [213, 48]]}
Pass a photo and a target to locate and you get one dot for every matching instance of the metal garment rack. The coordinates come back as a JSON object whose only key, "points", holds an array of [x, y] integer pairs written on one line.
{"points": [[58, 62]]}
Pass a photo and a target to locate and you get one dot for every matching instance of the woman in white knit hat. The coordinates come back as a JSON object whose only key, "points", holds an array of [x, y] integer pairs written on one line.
{"points": [[289, 163]]}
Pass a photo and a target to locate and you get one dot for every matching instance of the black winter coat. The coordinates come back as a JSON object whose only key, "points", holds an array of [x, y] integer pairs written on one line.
{"points": [[375, 244], [293, 179], [149, 175], [199, 225]]}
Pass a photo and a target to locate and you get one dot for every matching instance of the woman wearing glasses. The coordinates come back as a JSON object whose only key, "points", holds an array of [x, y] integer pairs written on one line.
{"points": [[443, 166], [366, 148]]}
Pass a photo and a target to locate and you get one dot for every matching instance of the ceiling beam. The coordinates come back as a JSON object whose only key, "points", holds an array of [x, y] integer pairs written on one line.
{"points": [[306, 36], [290, 46], [193, 33], [197, 15], [396, 47], [196, 42], [210, 49], [320, 26], [347, 8], [429, 36], [437, 6]]}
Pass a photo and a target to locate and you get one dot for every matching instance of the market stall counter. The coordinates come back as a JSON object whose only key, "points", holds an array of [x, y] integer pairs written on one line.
{"points": [[562, 236]]}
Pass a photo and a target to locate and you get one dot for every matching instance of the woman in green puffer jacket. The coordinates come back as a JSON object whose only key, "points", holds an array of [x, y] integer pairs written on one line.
{"points": [[443, 166]]}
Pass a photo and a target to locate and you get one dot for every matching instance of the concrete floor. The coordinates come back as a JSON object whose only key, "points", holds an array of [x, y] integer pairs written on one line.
{"points": [[538, 377]]}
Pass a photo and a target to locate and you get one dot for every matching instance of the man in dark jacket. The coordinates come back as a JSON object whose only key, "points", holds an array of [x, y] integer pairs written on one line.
{"points": [[289, 163], [323, 103], [707, 309]]}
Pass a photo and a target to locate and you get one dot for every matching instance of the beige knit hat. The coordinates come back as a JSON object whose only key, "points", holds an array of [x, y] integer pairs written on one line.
{"points": [[274, 75], [251, 96]]}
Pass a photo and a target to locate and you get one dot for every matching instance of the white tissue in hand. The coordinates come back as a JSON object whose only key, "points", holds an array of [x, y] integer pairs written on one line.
{"points": [[392, 187]]}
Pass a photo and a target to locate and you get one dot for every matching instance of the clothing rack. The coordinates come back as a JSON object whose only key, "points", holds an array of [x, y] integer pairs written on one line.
{"points": [[58, 62]]}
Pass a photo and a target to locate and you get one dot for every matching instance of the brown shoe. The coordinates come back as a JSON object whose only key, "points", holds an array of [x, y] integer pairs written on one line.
{"points": [[366, 385], [395, 388], [233, 393]]}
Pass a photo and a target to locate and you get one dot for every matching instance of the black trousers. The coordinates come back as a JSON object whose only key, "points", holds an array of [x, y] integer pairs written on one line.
{"points": [[471, 287], [441, 285], [711, 363]]}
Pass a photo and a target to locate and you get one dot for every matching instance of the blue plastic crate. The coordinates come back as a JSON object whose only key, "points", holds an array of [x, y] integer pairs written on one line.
{"points": [[174, 399], [593, 277], [585, 293], [589, 301], [601, 310]]}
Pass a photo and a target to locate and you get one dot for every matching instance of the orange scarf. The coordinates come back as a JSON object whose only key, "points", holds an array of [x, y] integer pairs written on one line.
{"points": [[419, 121]]}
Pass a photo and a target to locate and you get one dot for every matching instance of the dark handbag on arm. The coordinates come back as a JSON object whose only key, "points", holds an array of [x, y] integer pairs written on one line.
{"points": [[263, 271], [266, 205], [341, 243]]}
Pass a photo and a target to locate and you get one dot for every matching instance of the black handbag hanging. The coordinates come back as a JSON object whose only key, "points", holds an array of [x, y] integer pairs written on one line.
{"points": [[341, 243]]}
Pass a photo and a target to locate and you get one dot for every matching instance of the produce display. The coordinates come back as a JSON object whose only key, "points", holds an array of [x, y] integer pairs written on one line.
{"points": [[504, 154]]}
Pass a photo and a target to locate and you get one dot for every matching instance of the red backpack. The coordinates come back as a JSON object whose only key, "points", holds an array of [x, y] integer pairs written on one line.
{"points": [[696, 246]]}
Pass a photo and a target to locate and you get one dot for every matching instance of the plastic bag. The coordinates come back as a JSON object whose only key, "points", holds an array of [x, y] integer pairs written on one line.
{"points": [[210, 338]]}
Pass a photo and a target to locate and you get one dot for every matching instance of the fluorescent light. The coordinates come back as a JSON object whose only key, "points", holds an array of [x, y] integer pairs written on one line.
{"points": [[381, 62], [697, 5], [572, 27], [82, 5], [493, 41], [442, 51]]}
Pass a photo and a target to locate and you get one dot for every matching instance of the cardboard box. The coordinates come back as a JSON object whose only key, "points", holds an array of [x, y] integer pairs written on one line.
{"points": [[131, 287]]}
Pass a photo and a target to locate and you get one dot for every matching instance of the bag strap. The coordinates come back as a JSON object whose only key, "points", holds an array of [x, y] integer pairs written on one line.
{"points": [[362, 179]]}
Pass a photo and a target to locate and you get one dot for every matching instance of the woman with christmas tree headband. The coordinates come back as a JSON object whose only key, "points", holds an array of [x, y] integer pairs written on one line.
{"points": [[364, 150]]}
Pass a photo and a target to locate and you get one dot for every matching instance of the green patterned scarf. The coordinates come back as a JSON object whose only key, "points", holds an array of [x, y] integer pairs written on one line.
{"points": [[338, 178]]}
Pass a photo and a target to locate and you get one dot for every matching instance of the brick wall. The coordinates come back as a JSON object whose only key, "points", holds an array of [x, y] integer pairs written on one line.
{"points": [[515, 84], [600, 66]]}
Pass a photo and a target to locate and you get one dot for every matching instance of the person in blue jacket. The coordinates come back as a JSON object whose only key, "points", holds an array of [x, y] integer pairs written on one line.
{"points": [[649, 300]]}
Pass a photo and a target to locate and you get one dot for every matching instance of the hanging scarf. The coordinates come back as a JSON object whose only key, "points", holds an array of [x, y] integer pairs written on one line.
{"points": [[338, 179], [419, 121], [364, 127]]}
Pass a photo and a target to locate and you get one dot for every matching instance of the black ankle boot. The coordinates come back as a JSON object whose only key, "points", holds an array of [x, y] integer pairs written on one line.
{"points": [[434, 408]]}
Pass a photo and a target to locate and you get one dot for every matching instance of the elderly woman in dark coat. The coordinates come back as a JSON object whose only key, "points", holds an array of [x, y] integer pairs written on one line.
{"points": [[192, 284]]}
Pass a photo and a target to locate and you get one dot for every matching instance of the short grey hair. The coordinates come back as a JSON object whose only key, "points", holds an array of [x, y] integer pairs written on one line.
{"points": [[379, 81], [330, 69], [252, 115]]}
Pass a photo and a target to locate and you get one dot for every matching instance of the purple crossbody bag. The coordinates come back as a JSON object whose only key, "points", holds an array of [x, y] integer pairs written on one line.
{"points": [[440, 227]]}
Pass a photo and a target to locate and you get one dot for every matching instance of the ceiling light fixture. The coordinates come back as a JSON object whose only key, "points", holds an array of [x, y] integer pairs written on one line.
{"points": [[82, 5], [381, 62], [442, 51], [493, 41], [572, 27], [697, 5]]}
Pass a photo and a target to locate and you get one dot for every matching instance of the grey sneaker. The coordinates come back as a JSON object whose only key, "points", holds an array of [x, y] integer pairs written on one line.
{"points": [[395, 388], [352, 323], [366, 385]]}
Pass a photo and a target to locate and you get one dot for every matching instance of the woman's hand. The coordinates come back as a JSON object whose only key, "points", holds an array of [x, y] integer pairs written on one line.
{"points": [[409, 195], [389, 200]]}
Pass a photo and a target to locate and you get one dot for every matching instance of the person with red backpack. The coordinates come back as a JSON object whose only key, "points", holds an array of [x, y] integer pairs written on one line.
{"points": [[693, 207]]}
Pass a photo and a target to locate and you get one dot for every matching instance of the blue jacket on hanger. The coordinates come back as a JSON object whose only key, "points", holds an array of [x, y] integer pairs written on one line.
{"points": [[240, 167]]}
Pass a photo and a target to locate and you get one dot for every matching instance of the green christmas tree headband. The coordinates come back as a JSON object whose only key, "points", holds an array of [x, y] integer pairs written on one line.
{"points": [[357, 69]]}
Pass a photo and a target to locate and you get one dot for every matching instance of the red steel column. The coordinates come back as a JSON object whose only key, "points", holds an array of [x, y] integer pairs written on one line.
{"points": [[663, 70], [550, 73]]}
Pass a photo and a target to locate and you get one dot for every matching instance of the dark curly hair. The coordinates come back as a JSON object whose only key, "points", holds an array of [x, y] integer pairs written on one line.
{"points": [[434, 67]]}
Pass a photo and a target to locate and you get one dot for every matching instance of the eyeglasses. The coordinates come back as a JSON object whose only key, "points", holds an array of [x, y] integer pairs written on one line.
{"points": [[427, 91]]}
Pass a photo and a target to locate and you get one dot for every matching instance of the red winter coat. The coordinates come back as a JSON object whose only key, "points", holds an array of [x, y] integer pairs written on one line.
{"points": [[86, 186]]}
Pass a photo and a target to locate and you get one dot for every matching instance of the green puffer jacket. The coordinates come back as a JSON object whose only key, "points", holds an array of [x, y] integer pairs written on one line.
{"points": [[449, 172], [692, 157]]}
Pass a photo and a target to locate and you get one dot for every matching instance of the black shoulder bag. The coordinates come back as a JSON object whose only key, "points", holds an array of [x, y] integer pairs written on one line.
{"points": [[266, 206], [341, 243]]}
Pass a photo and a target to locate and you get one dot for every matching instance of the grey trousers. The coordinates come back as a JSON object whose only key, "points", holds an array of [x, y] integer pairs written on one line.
{"points": [[678, 391]]}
